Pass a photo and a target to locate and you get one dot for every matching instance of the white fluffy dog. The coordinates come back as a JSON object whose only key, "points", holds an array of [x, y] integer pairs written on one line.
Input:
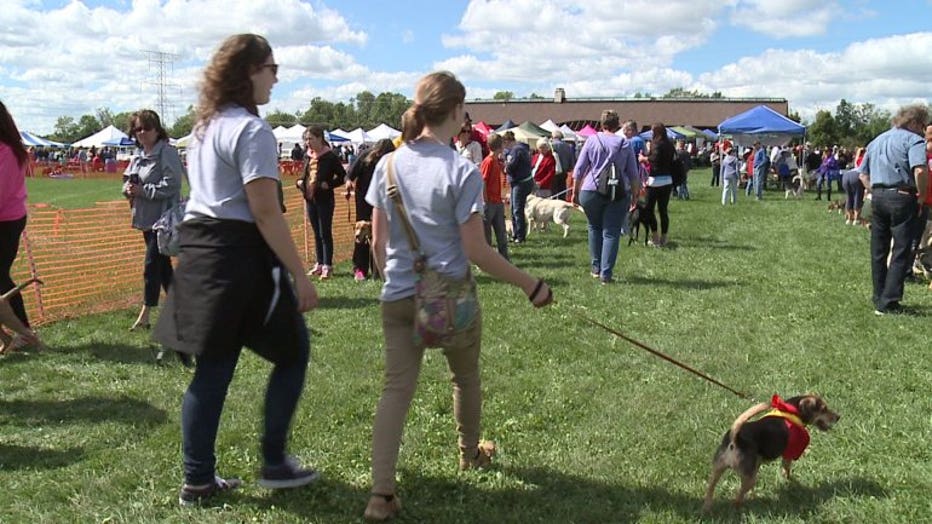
{"points": [[541, 211]]}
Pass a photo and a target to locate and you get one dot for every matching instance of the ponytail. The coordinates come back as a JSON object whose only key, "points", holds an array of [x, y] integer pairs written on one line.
{"points": [[412, 122]]}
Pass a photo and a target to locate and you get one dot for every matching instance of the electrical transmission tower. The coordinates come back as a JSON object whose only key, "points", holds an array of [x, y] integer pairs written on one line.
{"points": [[161, 66]]}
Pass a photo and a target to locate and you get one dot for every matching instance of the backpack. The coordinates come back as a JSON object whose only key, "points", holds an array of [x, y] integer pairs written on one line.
{"points": [[607, 182]]}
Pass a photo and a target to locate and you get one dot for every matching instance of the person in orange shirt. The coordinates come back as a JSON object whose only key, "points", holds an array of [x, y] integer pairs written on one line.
{"points": [[492, 175]]}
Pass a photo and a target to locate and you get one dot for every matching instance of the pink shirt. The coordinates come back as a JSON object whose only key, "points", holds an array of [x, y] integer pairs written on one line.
{"points": [[12, 186]]}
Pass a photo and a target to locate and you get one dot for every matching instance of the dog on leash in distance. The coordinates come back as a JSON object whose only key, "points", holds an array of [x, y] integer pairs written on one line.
{"points": [[362, 234], [779, 433], [540, 211], [637, 217]]}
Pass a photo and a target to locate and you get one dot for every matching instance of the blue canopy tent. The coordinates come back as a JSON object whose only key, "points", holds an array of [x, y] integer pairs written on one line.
{"points": [[120, 142], [334, 138], [30, 139], [671, 134], [761, 124], [506, 126], [709, 133]]}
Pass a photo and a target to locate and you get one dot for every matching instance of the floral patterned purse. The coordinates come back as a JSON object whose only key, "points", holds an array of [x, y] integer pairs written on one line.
{"points": [[443, 306]]}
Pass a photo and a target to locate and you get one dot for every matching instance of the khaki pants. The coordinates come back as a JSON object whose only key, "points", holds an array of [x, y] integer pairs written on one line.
{"points": [[402, 367]]}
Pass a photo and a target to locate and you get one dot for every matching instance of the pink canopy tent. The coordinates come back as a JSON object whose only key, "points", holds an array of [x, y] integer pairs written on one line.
{"points": [[587, 131]]}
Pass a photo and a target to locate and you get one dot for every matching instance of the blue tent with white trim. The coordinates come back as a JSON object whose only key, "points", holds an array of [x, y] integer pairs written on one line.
{"points": [[762, 124]]}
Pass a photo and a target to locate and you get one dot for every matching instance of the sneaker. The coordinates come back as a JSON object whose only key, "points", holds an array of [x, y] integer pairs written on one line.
{"points": [[594, 274], [315, 271], [483, 459], [193, 495], [358, 275], [288, 475], [382, 507], [325, 272]]}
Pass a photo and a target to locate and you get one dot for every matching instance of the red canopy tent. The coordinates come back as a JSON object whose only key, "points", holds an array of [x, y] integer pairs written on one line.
{"points": [[587, 131], [483, 128]]}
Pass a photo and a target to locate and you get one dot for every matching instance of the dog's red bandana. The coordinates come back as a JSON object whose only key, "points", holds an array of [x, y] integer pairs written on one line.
{"points": [[798, 436]]}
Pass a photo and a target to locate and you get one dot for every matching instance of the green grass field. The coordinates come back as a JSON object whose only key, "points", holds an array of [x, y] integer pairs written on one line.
{"points": [[72, 193], [767, 297]]}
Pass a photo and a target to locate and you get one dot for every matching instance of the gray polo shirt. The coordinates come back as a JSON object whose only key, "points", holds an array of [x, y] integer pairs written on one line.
{"points": [[160, 173], [440, 190], [891, 157], [236, 148]]}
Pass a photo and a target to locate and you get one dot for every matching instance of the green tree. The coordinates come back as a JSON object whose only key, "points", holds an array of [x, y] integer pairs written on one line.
{"points": [[822, 131], [535, 96], [183, 124], [66, 130], [503, 95], [280, 118]]}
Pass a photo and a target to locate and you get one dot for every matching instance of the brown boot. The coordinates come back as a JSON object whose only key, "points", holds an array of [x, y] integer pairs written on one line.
{"points": [[483, 458], [382, 507]]}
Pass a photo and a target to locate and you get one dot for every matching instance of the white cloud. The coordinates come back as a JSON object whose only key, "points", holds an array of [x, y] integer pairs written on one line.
{"points": [[787, 18]]}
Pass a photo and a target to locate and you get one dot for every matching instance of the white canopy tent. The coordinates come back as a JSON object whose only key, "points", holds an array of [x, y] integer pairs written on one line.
{"points": [[291, 136], [108, 134], [358, 136], [383, 131], [340, 133], [550, 125], [568, 133]]}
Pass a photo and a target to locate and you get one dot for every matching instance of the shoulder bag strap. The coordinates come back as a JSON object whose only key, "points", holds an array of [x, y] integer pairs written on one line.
{"points": [[395, 195]]}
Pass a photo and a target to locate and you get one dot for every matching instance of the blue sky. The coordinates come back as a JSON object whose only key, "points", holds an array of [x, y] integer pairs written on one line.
{"points": [[68, 58]]}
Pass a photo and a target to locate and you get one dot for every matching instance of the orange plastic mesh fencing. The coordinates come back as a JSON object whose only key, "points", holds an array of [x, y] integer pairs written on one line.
{"points": [[90, 259]]}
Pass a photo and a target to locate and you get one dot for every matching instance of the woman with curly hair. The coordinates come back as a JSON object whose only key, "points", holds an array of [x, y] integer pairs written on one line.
{"points": [[236, 255]]}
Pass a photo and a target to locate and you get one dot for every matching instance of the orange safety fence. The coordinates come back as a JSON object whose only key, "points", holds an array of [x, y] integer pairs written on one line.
{"points": [[90, 260]]}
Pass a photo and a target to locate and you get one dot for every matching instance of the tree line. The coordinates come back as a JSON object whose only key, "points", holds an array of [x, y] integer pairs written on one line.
{"points": [[850, 125]]}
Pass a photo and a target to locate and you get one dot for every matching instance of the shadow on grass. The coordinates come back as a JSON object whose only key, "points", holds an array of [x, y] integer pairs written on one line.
{"points": [[85, 409], [679, 284], [28, 457], [119, 353], [551, 496]]}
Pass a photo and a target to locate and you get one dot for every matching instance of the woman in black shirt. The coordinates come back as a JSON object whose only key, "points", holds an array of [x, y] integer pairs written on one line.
{"points": [[323, 171]]}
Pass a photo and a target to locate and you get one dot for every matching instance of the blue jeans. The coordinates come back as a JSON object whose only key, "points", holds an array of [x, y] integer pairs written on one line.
{"points": [[519, 194], [893, 216], [320, 215], [760, 179], [203, 403], [604, 218]]}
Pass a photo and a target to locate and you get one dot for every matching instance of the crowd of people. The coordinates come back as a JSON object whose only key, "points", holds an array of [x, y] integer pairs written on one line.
{"points": [[433, 204]]}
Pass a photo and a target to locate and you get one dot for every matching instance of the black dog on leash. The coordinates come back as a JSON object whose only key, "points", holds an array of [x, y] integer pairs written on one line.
{"points": [[637, 217]]}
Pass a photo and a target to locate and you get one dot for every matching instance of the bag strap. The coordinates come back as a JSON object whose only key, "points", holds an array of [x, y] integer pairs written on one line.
{"points": [[394, 193]]}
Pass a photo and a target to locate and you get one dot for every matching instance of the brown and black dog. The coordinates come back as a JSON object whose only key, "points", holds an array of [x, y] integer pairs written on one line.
{"points": [[362, 234], [779, 433], [637, 217]]}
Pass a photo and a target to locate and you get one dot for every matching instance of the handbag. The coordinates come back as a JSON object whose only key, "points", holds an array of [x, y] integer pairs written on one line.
{"points": [[444, 307], [166, 229]]}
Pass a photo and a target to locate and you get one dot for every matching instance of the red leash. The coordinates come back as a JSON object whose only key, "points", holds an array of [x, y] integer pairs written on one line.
{"points": [[661, 355]]}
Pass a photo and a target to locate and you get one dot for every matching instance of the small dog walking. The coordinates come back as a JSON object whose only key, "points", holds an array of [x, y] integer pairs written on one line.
{"points": [[637, 217], [779, 433]]}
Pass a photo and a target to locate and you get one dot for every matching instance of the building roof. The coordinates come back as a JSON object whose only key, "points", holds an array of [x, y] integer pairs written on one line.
{"points": [[696, 112]]}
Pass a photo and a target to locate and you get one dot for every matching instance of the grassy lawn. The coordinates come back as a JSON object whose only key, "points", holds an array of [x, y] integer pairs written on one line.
{"points": [[767, 297], [69, 193]]}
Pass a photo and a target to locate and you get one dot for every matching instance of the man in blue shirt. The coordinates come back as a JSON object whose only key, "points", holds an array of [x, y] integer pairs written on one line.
{"points": [[894, 168], [567, 157], [761, 168], [518, 171]]}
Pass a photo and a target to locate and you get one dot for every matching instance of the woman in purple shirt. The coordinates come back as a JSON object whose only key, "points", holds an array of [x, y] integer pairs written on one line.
{"points": [[604, 215]]}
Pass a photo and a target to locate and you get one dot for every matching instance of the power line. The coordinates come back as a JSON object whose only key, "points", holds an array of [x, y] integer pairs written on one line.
{"points": [[162, 65]]}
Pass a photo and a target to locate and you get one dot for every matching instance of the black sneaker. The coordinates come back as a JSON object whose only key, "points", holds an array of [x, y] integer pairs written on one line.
{"points": [[288, 475], [193, 495]]}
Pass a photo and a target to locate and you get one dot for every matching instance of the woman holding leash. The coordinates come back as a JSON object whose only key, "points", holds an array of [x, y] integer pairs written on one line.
{"points": [[660, 183], [233, 270], [605, 216], [441, 195], [14, 159], [152, 184], [322, 173]]}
